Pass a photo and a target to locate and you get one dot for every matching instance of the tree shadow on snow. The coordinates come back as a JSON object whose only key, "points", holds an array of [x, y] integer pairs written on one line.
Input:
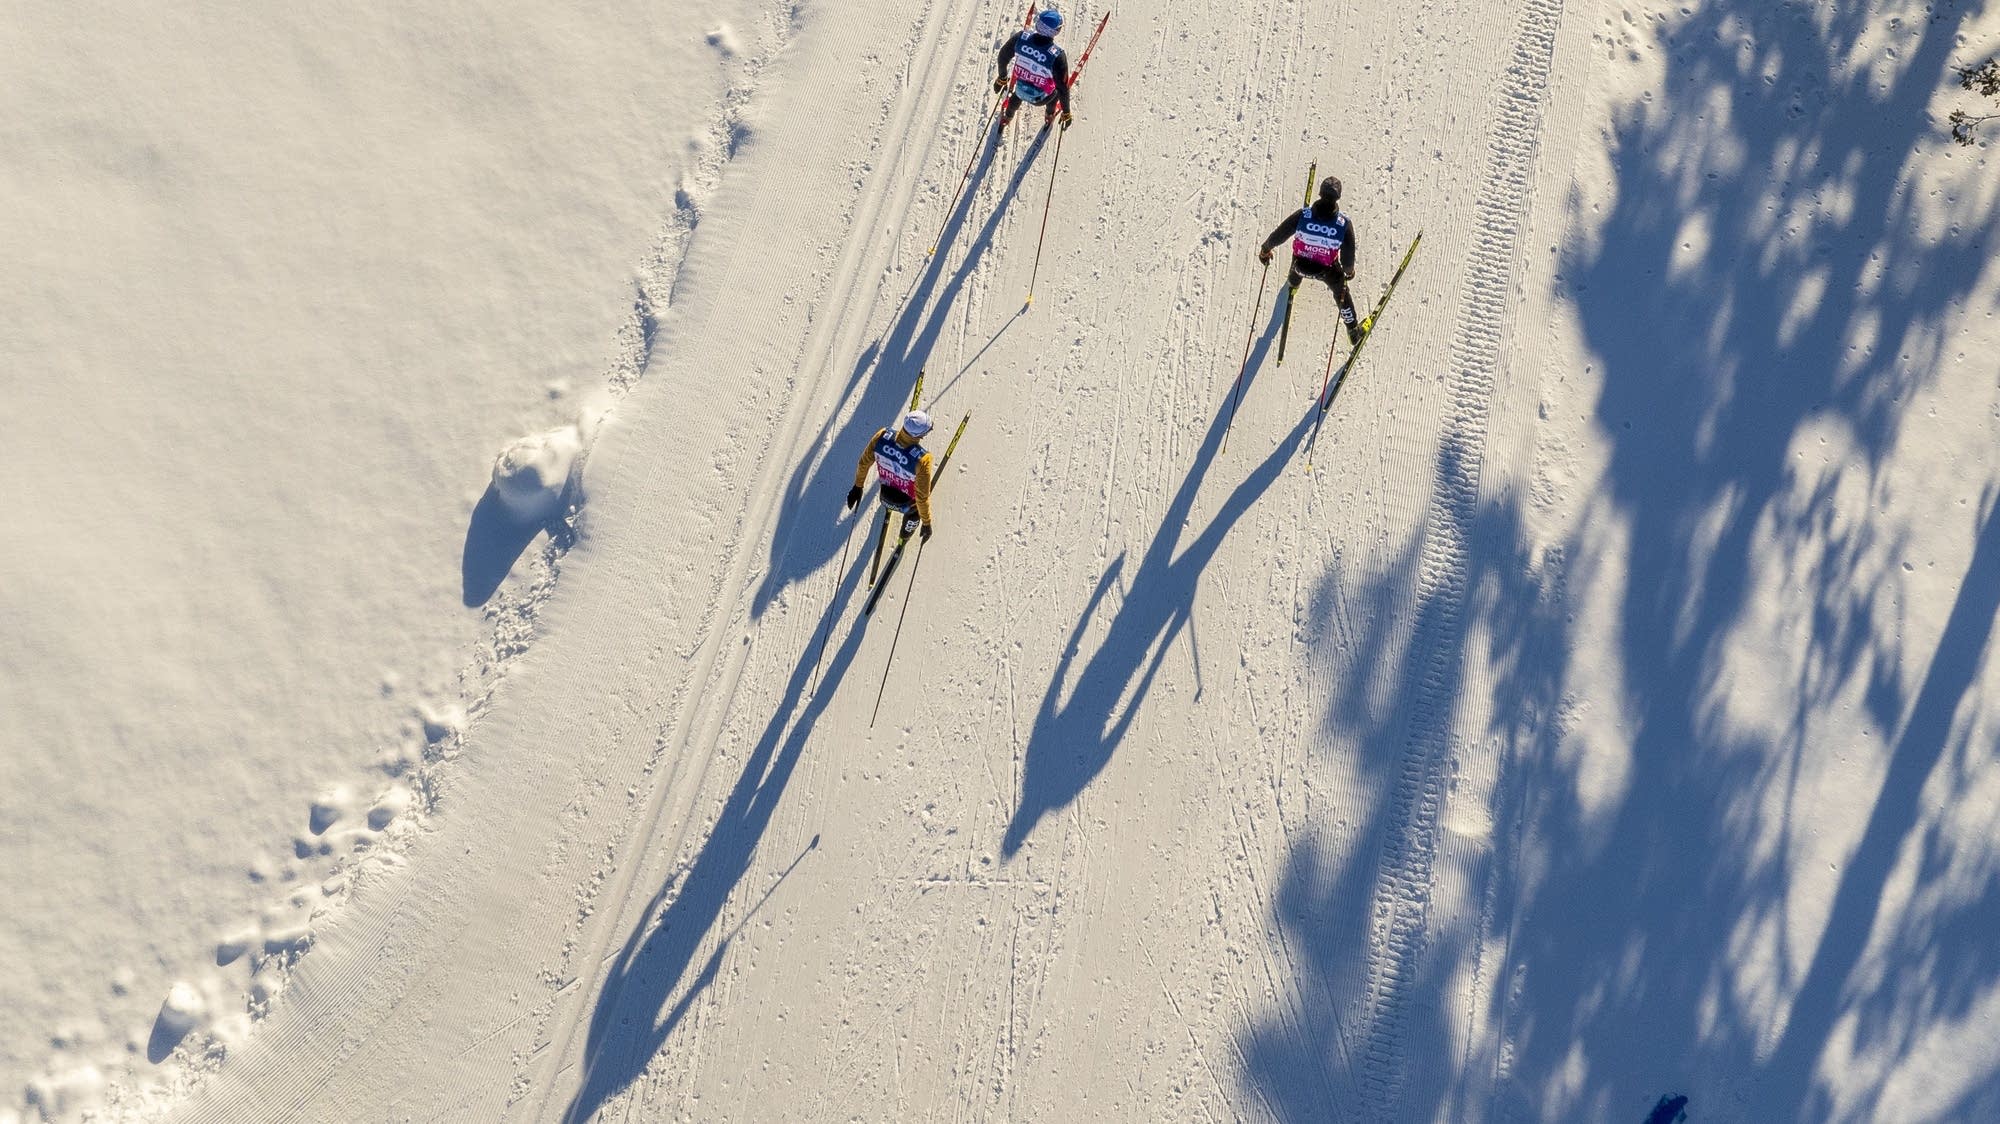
{"points": [[818, 481], [1658, 926], [1075, 733], [1323, 1057], [648, 990]]}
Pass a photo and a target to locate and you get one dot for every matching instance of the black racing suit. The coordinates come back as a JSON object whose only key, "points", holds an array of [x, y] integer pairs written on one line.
{"points": [[1324, 214], [1041, 51]]}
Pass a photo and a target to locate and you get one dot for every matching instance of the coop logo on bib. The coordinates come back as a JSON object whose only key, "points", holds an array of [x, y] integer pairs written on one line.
{"points": [[1033, 69], [895, 464], [1319, 242]]}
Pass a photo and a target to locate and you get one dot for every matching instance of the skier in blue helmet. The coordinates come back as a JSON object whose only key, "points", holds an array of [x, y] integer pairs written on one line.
{"points": [[1036, 69]]}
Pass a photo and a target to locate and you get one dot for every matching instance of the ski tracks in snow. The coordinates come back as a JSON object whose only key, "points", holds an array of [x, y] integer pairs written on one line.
{"points": [[1401, 923], [674, 812]]}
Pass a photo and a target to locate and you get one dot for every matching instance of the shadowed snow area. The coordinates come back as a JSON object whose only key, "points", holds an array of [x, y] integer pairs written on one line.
{"points": [[1747, 699], [445, 481]]}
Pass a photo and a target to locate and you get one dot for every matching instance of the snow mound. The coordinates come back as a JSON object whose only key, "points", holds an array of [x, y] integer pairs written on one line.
{"points": [[184, 1008], [330, 807], [388, 807], [64, 1096], [532, 474], [725, 41], [441, 721]]}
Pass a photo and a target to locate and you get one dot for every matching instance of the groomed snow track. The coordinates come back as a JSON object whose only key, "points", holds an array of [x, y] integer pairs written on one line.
{"points": [[1402, 896]]}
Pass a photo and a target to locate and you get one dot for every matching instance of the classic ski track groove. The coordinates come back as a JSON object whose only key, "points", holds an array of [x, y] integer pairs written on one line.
{"points": [[699, 723], [1404, 882]]}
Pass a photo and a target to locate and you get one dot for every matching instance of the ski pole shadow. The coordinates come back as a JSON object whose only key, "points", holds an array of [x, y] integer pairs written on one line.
{"points": [[1073, 738], [648, 990], [969, 364], [894, 361]]}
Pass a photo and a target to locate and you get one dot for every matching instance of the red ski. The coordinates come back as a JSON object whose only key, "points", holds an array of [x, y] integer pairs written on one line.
{"points": [[1077, 75]]}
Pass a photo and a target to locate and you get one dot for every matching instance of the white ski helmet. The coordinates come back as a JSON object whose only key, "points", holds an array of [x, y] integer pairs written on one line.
{"points": [[916, 423]]}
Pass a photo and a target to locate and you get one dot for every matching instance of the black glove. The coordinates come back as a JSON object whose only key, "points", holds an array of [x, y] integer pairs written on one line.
{"points": [[925, 534], [999, 82], [853, 496], [1067, 119], [1264, 255]]}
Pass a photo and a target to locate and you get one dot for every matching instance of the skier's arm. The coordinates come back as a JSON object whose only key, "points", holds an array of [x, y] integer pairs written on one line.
{"points": [[1285, 230], [867, 459], [1347, 252], [1007, 53], [1062, 81], [921, 492]]}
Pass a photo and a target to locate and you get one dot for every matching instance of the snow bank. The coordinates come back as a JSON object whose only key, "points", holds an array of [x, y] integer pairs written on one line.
{"points": [[322, 308]]}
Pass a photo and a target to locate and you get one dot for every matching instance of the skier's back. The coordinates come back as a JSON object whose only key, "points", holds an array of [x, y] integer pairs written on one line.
{"points": [[1036, 68], [1322, 247], [903, 467]]}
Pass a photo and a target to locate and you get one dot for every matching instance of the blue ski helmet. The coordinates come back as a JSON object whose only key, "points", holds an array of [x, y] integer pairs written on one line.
{"points": [[1048, 21]]}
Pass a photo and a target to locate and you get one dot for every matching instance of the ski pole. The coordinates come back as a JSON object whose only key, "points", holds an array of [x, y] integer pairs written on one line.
{"points": [[898, 634], [1328, 380], [1320, 403], [826, 630], [1055, 166], [1247, 337], [964, 179]]}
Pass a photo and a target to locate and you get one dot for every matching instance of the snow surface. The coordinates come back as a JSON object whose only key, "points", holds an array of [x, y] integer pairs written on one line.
{"points": [[434, 686]]}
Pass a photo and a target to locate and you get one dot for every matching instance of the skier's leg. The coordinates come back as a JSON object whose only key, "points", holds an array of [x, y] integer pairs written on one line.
{"points": [[1348, 316], [899, 502], [1007, 110]]}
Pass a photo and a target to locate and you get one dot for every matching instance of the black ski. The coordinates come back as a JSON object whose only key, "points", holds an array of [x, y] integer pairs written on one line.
{"points": [[1292, 290]]}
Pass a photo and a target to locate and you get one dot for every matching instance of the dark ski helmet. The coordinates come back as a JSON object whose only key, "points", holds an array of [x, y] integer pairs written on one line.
{"points": [[1329, 189]]}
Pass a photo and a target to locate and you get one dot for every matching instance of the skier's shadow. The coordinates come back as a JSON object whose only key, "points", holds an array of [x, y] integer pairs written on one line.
{"points": [[895, 360], [1073, 739], [646, 992]]}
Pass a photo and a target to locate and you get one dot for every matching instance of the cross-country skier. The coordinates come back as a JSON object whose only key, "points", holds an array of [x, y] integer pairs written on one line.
{"points": [[1037, 70], [1322, 247], [904, 467]]}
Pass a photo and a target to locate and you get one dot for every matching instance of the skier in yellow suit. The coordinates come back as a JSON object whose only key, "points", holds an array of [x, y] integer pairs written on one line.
{"points": [[903, 466]]}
